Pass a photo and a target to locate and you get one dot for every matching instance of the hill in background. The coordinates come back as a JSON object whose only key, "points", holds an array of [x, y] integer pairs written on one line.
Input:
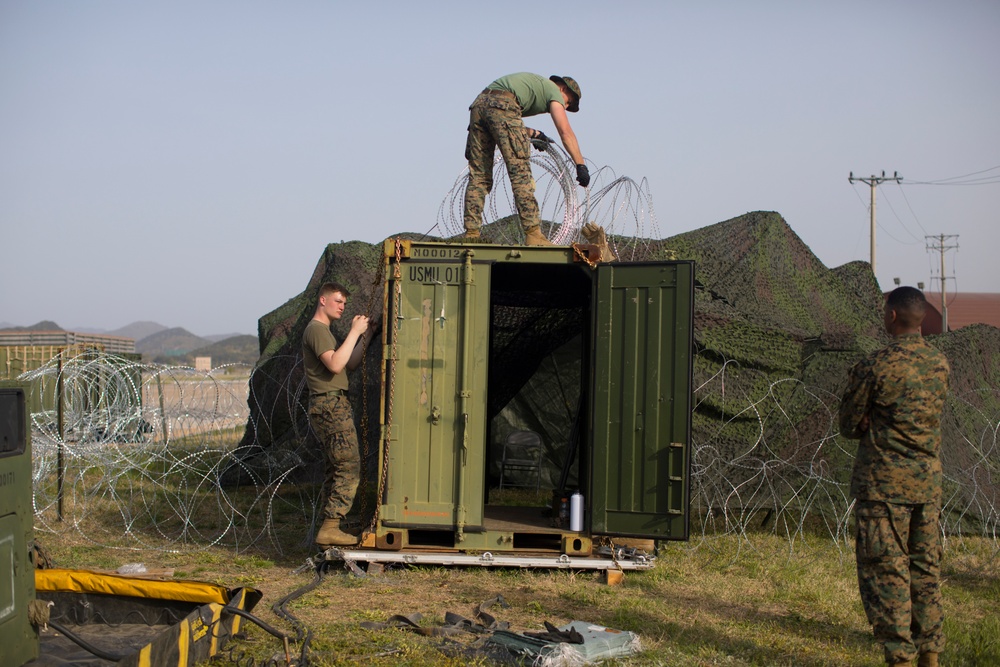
{"points": [[170, 344], [137, 331], [215, 338], [237, 349], [44, 325]]}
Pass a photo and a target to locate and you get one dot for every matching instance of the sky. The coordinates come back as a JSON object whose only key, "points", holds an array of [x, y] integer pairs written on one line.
{"points": [[187, 162]]}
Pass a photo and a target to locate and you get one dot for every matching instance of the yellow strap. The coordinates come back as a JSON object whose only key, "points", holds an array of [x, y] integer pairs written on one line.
{"points": [[83, 581]]}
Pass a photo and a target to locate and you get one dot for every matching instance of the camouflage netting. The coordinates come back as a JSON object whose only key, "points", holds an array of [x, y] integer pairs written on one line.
{"points": [[276, 441], [969, 445], [775, 332]]}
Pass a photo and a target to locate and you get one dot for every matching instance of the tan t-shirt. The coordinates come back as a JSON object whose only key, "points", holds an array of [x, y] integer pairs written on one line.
{"points": [[316, 340]]}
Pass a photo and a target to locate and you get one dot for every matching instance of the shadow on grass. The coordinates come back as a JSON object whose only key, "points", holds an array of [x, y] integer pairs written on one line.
{"points": [[778, 636]]}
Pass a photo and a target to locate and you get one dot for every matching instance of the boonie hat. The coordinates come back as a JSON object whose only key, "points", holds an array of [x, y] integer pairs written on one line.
{"points": [[574, 88]]}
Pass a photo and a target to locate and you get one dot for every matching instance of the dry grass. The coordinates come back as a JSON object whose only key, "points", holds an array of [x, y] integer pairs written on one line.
{"points": [[722, 603]]}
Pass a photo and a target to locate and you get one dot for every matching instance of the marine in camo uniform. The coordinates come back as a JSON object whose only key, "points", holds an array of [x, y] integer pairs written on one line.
{"points": [[893, 404], [330, 416], [495, 121]]}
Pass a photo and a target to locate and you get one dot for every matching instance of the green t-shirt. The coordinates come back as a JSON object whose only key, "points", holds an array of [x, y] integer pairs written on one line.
{"points": [[533, 92], [316, 340]]}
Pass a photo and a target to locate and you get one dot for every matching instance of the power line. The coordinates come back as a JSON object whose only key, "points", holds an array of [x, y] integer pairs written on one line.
{"points": [[906, 199], [992, 179], [902, 224]]}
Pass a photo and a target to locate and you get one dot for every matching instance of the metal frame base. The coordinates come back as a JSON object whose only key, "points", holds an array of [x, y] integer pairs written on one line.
{"points": [[636, 561]]}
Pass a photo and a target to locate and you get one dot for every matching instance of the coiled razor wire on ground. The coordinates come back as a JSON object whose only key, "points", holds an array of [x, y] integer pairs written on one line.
{"points": [[619, 204], [146, 451]]}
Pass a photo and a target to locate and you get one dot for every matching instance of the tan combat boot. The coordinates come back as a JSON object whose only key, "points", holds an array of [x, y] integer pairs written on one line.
{"points": [[351, 526], [330, 535], [533, 236], [928, 660]]}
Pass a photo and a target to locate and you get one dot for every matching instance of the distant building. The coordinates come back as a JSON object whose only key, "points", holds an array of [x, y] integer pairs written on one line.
{"points": [[26, 350], [203, 364], [964, 308], [29, 350], [64, 339]]}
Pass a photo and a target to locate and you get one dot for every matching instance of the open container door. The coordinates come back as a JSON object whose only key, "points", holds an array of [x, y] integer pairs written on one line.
{"points": [[641, 409], [437, 379]]}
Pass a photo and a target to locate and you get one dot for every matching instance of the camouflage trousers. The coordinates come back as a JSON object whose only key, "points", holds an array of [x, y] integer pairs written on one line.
{"points": [[332, 421], [899, 576], [495, 120]]}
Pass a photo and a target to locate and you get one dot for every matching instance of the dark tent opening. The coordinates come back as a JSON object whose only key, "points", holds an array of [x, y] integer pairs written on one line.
{"points": [[539, 332]]}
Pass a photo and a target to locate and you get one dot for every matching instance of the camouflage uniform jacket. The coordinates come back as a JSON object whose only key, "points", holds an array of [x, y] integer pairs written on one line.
{"points": [[901, 390]]}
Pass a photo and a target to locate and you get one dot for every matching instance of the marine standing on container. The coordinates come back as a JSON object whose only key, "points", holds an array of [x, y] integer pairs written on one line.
{"points": [[330, 416], [495, 120], [893, 403]]}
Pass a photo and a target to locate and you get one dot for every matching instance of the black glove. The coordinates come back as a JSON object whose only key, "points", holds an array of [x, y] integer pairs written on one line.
{"points": [[540, 141], [554, 635], [582, 175]]}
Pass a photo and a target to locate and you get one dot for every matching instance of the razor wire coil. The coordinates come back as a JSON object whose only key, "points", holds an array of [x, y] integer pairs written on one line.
{"points": [[157, 472]]}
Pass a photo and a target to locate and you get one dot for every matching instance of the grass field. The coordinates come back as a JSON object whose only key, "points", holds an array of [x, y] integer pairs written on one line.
{"points": [[718, 601]]}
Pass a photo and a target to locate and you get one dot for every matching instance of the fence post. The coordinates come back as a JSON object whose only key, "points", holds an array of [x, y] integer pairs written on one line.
{"points": [[60, 474]]}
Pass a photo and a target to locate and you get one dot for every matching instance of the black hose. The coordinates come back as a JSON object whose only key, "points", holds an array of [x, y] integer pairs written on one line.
{"points": [[259, 621], [303, 633], [84, 644]]}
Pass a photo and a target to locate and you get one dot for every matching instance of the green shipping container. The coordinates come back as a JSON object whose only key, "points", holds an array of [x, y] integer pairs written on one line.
{"points": [[469, 329], [18, 636]]}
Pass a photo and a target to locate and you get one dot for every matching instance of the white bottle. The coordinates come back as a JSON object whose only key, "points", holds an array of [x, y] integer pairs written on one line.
{"points": [[576, 512]]}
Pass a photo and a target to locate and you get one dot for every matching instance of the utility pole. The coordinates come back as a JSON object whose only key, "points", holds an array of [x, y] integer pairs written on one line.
{"points": [[874, 181], [941, 240]]}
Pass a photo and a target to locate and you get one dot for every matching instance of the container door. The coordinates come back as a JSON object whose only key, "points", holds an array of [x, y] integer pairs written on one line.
{"points": [[641, 450], [436, 393]]}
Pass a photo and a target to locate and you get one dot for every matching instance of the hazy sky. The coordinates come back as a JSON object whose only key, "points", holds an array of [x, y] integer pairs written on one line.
{"points": [[187, 162]]}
